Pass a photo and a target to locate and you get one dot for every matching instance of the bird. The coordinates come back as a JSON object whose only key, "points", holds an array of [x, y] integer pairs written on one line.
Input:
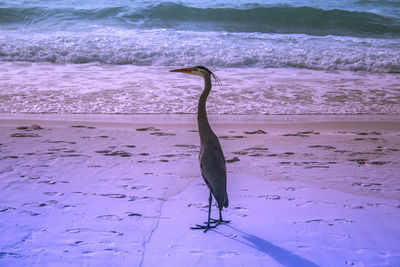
{"points": [[211, 157]]}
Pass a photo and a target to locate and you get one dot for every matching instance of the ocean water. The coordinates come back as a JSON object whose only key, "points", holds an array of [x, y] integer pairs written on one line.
{"points": [[262, 51]]}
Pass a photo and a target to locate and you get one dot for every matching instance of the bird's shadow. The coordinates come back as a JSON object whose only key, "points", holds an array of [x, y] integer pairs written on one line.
{"points": [[280, 255]]}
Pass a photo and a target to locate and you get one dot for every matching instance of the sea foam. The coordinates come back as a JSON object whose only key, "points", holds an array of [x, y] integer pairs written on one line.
{"points": [[110, 89], [221, 49]]}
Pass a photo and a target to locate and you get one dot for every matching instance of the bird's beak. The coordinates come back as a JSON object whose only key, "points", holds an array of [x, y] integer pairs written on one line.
{"points": [[185, 70]]}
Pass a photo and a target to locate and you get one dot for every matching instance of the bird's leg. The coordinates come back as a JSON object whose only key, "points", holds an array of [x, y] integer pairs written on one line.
{"points": [[220, 218], [207, 226], [218, 222], [210, 220], [209, 213], [209, 208]]}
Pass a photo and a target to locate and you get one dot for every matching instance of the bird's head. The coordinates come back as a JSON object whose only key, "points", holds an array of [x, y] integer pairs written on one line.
{"points": [[200, 71]]}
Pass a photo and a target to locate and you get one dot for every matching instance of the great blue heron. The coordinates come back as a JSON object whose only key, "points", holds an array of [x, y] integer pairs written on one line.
{"points": [[212, 161]]}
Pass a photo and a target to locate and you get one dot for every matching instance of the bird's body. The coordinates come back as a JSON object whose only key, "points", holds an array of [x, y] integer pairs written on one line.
{"points": [[212, 160]]}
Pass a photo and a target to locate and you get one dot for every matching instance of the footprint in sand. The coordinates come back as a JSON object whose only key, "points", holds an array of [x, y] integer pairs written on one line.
{"points": [[303, 247], [317, 167], [48, 203], [256, 132], [353, 206], [162, 134], [47, 182], [10, 157], [88, 230], [133, 214], [377, 205], [9, 255], [25, 135], [110, 217], [119, 153], [343, 221], [72, 155], [365, 184], [227, 254], [75, 243], [328, 222], [270, 197], [231, 137], [302, 134], [147, 129], [82, 126], [367, 133], [231, 160], [50, 193], [316, 221], [359, 161], [370, 139], [141, 187], [27, 212], [114, 195], [61, 142], [187, 146], [322, 146], [30, 128], [379, 162], [6, 209], [74, 231]]}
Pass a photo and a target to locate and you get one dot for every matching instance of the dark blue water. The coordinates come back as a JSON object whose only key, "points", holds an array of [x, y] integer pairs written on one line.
{"points": [[330, 35]]}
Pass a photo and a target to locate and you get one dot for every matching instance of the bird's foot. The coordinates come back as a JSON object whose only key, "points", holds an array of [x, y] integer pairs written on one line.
{"points": [[208, 225], [212, 221], [218, 222], [203, 227]]}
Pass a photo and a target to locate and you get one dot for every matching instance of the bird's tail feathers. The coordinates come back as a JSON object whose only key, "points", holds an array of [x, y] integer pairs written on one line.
{"points": [[226, 202]]}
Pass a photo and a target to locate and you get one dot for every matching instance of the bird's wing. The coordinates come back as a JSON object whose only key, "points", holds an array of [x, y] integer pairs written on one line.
{"points": [[212, 163]]}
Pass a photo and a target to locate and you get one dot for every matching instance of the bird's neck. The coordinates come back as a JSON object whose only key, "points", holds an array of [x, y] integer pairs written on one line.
{"points": [[202, 120]]}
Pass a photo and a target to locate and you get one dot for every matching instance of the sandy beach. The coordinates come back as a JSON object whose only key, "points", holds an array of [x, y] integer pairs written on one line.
{"points": [[99, 144], [304, 191]]}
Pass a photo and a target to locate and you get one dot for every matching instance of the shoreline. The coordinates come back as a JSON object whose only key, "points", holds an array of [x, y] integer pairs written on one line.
{"points": [[165, 118]]}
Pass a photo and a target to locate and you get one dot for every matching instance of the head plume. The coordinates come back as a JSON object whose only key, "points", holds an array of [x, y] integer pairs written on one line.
{"points": [[216, 80]]}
